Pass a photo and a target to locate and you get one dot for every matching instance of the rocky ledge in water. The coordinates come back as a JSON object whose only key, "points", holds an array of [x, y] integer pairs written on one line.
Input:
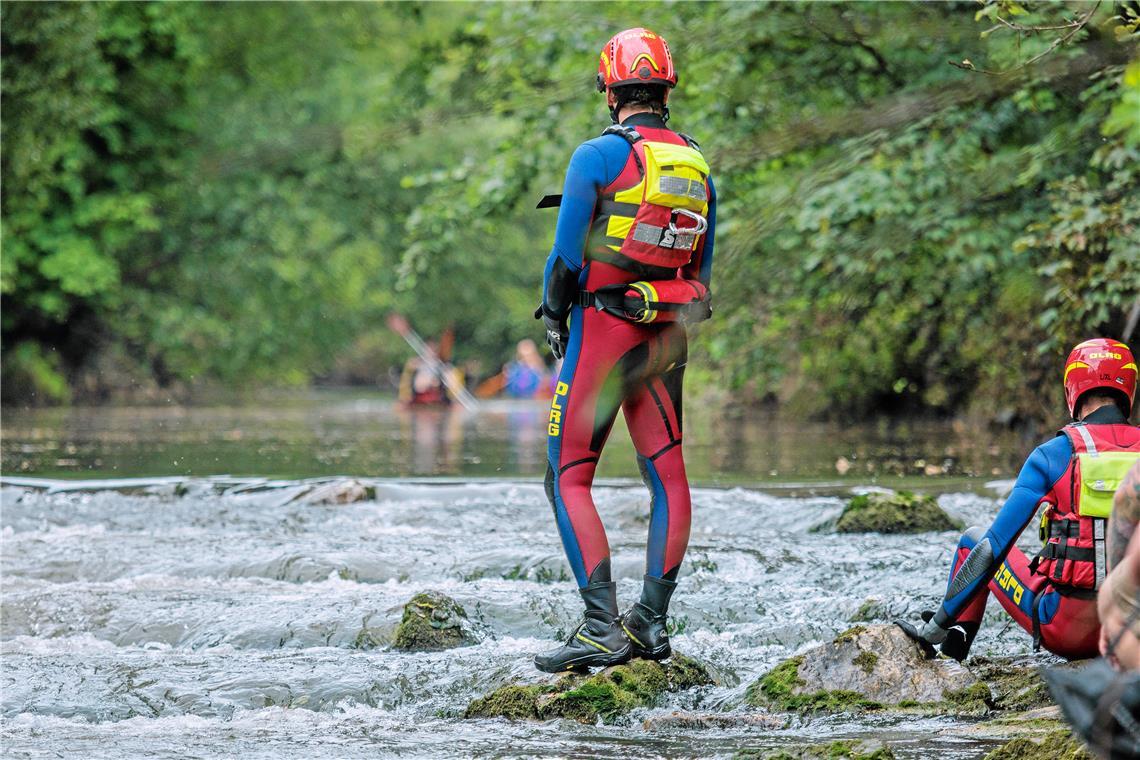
{"points": [[606, 695], [338, 492], [846, 749], [433, 621], [1058, 745], [902, 512]]}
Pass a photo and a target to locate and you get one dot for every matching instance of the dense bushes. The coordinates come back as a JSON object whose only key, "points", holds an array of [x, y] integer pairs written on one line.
{"points": [[238, 193]]}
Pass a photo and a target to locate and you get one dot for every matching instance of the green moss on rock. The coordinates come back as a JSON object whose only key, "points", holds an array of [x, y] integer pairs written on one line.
{"points": [[606, 695], [902, 512], [850, 634], [1059, 745], [866, 661], [846, 749], [1015, 686], [778, 689], [432, 621], [973, 699]]}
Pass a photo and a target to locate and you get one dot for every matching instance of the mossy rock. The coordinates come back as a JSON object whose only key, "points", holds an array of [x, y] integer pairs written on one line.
{"points": [[873, 667], [1059, 745], [780, 689], [902, 512], [432, 621], [1015, 685], [844, 749], [606, 695]]}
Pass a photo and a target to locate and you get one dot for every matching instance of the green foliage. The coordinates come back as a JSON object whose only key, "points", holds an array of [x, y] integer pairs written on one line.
{"points": [[31, 373], [185, 190]]}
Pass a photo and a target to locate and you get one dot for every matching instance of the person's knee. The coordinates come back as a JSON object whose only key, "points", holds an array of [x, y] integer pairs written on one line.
{"points": [[971, 537]]}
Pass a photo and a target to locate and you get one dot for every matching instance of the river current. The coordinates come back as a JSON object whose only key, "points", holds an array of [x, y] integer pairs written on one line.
{"points": [[220, 616]]}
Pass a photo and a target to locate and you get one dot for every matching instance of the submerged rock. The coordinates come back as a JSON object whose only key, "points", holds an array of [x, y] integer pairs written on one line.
{"points": [[432, 621], [902, 512], [687, 720], [845, 749], [606, 695], [868, 667], [339, 492], [1059, 745]]}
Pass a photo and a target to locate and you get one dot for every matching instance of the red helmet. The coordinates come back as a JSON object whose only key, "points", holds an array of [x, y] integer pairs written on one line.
{"points": [[636, 56], [1099, 363]]}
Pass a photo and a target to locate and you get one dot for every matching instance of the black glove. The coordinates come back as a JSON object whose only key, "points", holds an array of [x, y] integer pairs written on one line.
{"points": [[557, 334]]}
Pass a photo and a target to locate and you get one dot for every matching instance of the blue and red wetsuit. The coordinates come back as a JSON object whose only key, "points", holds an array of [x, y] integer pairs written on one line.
{"points": [[1066, 617], [613, 364]]}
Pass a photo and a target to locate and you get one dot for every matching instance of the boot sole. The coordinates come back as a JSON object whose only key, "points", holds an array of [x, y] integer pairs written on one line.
{"points": [[599, 660]]}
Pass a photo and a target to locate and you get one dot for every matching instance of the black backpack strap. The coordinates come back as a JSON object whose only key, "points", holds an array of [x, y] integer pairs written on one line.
{"points": [[689, 141]]}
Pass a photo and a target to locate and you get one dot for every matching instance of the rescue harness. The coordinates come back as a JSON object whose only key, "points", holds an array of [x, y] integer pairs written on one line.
{"points": [[1073, 526], [676, 300]]}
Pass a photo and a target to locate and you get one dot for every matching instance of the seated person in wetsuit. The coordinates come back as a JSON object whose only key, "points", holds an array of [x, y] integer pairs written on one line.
{"points": [[1073, 476]]}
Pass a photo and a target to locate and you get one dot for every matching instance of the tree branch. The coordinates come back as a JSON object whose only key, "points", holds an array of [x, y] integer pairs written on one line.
{"points": [[1074, 26]]}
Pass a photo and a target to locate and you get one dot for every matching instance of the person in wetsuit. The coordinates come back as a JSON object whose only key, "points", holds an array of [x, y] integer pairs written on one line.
{"points": [[637, 210], [1074, 476]]}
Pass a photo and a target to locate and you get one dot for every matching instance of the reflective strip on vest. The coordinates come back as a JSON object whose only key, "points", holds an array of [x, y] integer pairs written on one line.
{"points": [[1090, 445], [1098, 546], [663, 237], [680, 186]]}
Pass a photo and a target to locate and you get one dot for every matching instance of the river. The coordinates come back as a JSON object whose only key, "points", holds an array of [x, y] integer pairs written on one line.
{"points": [[204, 611]]}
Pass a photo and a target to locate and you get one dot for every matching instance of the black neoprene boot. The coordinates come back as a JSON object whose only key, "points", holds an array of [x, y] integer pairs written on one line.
{"points": [[644, 624], [598, 642], [959, 639]]}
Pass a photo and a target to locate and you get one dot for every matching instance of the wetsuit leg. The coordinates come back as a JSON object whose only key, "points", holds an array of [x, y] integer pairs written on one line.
{"points": [[977, 607], [587, 397], [1068, 625], [653, 415]]}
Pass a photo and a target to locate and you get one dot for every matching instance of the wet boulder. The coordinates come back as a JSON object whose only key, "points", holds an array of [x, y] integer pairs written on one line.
{"points": [[606, 695], [845, 749], [432, 621], [901, 512], [338, 492], [868, 667]]}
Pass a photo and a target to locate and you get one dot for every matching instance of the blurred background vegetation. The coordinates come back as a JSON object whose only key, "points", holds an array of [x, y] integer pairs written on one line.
{"points": [[204, 195]]}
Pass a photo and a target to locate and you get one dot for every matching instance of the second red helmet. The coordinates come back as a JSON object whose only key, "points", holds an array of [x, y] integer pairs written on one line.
{"points": [[1099, 364], [636, 56]]}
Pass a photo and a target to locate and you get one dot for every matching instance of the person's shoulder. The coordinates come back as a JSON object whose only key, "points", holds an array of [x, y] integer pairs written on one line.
{"points": [[1052, 457], [606, 143], [1057, 446]]}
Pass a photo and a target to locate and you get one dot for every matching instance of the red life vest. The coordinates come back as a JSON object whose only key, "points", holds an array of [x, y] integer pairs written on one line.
{"points": [[653, 213], [1079, 503]]}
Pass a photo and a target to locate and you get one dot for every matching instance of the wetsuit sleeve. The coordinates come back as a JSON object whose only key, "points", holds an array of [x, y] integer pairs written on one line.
{"points": [[1041, 470], [585, 176], [700, 268]]}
